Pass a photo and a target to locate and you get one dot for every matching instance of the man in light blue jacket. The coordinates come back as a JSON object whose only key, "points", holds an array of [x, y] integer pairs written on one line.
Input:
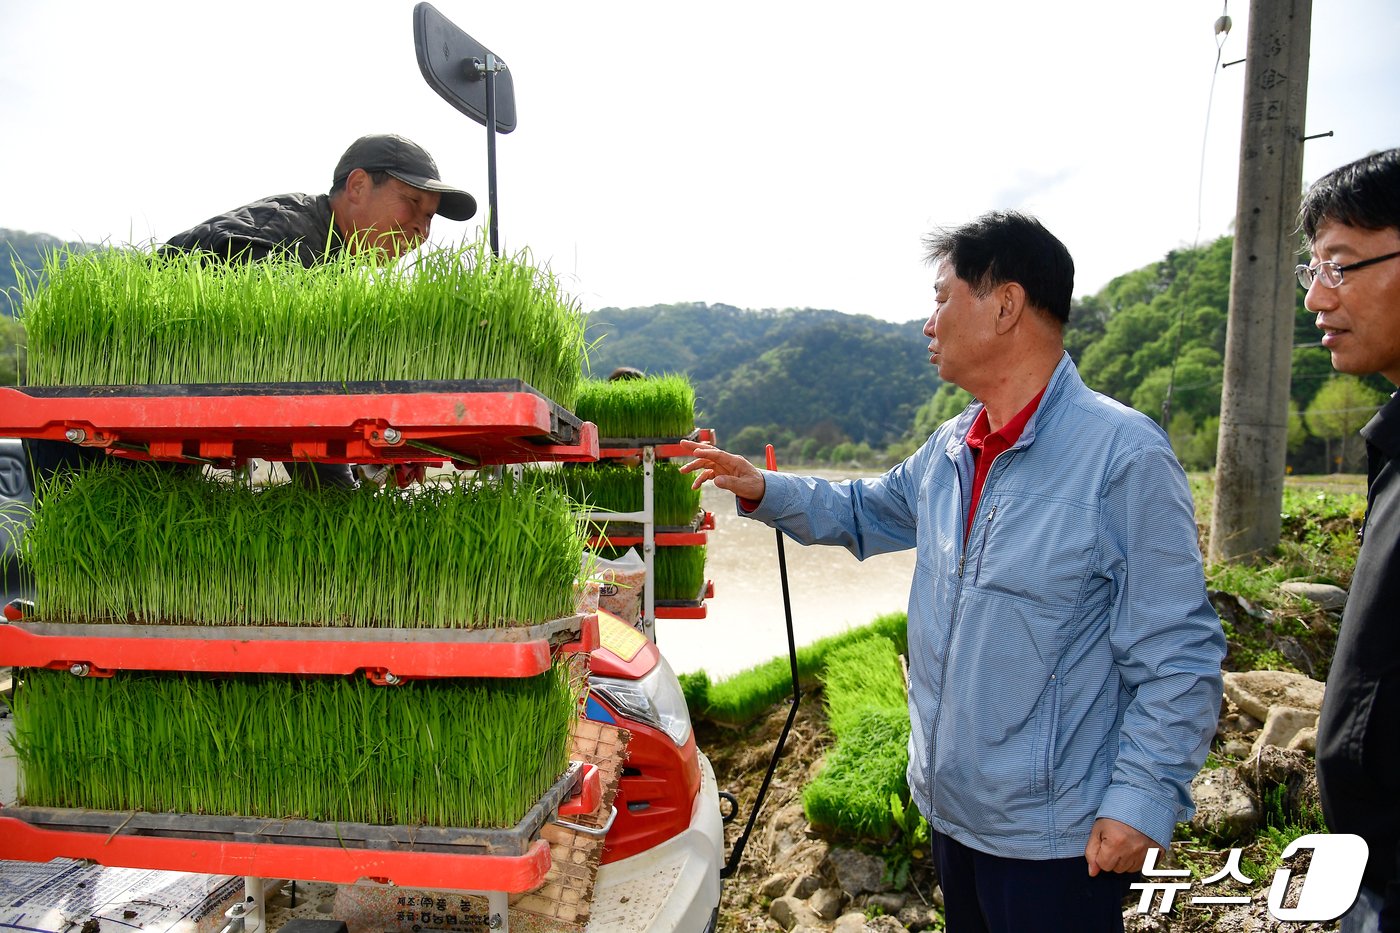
{"points": [[1064, 659]]}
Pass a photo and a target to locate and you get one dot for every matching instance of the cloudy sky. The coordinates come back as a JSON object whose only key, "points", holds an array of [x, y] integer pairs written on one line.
{"points": [[764, 154]]}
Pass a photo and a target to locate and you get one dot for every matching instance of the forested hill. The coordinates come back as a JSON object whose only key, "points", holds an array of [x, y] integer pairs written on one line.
{"points": [[805, 373]]}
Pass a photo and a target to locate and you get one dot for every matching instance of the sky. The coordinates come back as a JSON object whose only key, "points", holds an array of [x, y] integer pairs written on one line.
{"points": [[762, 154]]}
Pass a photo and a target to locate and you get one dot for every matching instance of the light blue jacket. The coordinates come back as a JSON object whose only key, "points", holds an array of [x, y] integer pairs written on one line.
{"points": [[1065, 664]]}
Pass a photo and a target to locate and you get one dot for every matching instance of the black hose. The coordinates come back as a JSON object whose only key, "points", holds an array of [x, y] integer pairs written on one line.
{"points": [[732, 864]]}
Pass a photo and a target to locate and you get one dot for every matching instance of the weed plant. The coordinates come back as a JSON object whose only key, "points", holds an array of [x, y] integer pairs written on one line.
{"points": [[654, 407], [137, 543], [127, 317], [450, 752], [611, 487]]}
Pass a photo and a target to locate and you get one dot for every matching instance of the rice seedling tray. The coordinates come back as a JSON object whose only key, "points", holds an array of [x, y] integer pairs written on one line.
{"points": [[686, 608], [468, 422], [385, 655], [513, 859], [630, 534], [664, 446]]}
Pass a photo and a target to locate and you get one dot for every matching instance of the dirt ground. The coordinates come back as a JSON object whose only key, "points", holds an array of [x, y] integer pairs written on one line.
{"points": [[741, 759]]}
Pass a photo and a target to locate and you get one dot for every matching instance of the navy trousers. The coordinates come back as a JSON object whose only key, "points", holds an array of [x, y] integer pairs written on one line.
{"points": [[989, 894]]}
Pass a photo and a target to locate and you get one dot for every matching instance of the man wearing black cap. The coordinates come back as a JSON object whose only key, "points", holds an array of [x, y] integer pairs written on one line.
{"points": [[383, 196]]}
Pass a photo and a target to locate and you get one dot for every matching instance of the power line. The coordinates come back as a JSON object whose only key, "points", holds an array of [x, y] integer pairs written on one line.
{"points": [[1222, 32]]}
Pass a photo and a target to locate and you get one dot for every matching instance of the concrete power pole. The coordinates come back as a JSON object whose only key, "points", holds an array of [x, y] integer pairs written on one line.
{"points": [[1259, 339]]}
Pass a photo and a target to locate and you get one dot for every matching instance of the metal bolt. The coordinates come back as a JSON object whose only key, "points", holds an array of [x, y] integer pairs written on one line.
{"points": [[392, 435], [75, 435], [392, 679], [78, 670]]}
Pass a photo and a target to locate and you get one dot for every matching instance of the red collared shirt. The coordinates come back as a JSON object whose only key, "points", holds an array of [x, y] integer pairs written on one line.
{"points": [[987, 444]]}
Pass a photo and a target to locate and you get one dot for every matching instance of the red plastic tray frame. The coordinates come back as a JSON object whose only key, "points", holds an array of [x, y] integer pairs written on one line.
{"points": [[340, 864], [665, 447], [418, 423], [662, 538], [386, 656], [511, 874], [688, 612]]}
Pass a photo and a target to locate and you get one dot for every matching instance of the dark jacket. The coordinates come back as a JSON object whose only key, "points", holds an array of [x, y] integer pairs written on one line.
{"points": [[1358, 734], [296, 223]]}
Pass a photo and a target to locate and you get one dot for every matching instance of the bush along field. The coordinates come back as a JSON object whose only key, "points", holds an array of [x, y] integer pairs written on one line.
{"points": [[846, 805]]}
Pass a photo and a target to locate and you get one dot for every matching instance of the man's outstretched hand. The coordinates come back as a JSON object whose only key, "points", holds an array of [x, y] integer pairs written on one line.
{"points": [[725, 470]]}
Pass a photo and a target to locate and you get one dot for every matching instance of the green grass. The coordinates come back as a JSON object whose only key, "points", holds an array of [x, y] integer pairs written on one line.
{"points": [[126, 317], [1320, 517], [140, 544], [657, 406], [450, 752]]}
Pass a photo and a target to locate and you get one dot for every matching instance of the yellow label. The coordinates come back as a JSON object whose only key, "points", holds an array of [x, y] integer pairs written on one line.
{"points": [[619, 637]]}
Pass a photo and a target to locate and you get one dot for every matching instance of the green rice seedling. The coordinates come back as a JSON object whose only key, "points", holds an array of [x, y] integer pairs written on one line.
{"points": [[609, 487], [680, 571], [739, 699], [851, 794], [868, 714], [448, 752], [860, 677], [654, 407], [139, 543], [128, 317]]}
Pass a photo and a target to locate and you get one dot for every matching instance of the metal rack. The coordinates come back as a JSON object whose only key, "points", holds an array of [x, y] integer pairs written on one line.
{"points": [[628, 529], [466, 423]]}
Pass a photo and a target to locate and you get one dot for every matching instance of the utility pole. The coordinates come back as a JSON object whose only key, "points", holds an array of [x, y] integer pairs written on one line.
{"points": [[1253, 439]]}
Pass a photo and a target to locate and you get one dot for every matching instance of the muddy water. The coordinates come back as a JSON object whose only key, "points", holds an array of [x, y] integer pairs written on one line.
{"points": [[830, 592]]}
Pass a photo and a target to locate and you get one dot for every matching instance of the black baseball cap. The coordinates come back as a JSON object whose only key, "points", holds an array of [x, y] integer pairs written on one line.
{"points": [[409, 163]]}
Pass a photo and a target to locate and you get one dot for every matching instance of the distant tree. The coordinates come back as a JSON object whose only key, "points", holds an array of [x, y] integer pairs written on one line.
{"points": [[1199, 451], [1312, 367], [752, 440], [948, 402], [1340, 408], [1088, 317], [1194, 384], [1181, 433], [1297, 430]]}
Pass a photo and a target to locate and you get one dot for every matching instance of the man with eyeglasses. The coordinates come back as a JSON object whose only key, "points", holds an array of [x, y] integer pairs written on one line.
{"points": [[1351, 220]]}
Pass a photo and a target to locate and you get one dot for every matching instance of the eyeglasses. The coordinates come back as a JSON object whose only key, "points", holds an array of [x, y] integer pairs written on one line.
{"points": [[1330, 273]]}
